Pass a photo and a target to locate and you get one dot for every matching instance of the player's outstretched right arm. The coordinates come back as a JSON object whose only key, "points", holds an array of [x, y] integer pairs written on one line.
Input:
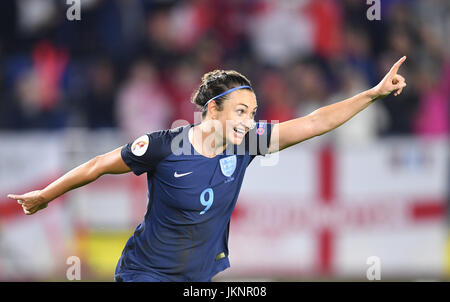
{"points": [[108, 163]]}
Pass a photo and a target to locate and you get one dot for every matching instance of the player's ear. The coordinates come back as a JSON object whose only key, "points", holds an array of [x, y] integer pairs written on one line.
{"points": [[213, 110]]}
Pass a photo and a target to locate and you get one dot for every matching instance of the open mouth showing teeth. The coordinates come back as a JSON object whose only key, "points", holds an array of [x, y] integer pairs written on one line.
{"points": [[239, 131]]}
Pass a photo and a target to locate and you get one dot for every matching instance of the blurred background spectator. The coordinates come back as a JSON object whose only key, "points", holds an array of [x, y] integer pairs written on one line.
{"points": [[143, 105]]}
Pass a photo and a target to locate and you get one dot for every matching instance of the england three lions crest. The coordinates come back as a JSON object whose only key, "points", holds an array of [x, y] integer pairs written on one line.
{"points": [[228, 165]]}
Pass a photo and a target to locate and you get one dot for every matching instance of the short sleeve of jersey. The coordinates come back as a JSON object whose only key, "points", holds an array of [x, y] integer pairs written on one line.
{"points": [[143, 154], [258, 139]]}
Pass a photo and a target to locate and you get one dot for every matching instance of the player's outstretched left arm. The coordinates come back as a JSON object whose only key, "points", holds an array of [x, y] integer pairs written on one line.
{"points": [[332, 116]]}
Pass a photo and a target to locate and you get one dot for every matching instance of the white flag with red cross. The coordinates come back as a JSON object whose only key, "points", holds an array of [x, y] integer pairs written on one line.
{"points": [[323, 210]]}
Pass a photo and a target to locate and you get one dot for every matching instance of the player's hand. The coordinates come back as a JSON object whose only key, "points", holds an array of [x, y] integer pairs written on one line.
{"points": [[391, 81], [31, 202]]}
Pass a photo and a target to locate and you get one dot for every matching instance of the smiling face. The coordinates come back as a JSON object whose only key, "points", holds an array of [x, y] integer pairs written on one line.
{"points": [[237, 115]]}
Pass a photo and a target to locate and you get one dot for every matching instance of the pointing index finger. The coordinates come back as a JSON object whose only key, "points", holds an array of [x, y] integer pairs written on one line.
{"points": [[397, 65], [13, 196]]}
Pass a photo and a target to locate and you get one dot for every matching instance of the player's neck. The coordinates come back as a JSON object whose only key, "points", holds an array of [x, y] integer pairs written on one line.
{"points": [[206, 140]]}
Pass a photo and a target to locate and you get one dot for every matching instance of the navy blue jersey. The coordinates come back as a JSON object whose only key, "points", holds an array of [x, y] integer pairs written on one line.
{"points": [[184, 235]]}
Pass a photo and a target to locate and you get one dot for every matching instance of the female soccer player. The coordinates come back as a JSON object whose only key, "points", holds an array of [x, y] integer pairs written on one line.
{"points": [[195, 172]]}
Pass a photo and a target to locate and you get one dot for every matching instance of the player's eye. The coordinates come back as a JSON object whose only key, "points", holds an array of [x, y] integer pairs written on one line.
{"points": [[240, 111]]}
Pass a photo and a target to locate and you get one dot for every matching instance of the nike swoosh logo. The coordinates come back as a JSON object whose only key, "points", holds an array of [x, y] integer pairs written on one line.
{"points": [[182, 174]]}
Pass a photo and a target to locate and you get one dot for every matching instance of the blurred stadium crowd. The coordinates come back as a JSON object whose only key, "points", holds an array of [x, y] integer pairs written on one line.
{"points": [[132, 65]]}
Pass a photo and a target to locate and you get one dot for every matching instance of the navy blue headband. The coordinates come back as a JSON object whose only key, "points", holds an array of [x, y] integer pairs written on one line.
{"points": [[224, 93]]}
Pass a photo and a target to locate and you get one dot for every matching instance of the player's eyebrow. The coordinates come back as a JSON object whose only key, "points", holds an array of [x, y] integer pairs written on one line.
{"points": [[247, 106]]}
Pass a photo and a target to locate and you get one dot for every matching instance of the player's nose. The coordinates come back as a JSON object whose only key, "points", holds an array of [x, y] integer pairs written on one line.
{"points": [[248, 123]]}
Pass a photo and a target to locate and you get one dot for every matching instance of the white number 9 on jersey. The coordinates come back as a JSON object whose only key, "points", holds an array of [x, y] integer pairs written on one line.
{"points": [[207, 202]]}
